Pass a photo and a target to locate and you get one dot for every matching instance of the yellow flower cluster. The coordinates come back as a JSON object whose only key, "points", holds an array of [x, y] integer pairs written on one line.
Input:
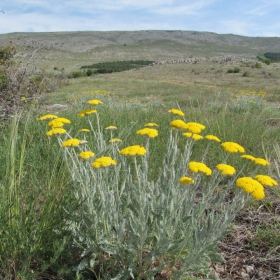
{"points": [[110, 127], [74, 142], [151, 124], [212, 138], [195, 127], [84, 130], [232, 147], [176, 112], [178, 124], [103, 162], [226, 169], [259, 161], [249, 185], [194, 136], [199, 167], [150, 132], [87, 112], [56, 131], [186, 180], [47, 117], [115, 140], [94, 102], [266, 180], [58, 122], [133, 150], [86, 155]]}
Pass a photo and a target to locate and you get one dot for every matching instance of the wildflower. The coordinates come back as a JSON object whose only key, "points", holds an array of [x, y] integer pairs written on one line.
{"points": [[176, 112], [266, 180], [226, 169], [84, 130], [111, 127], [71, 142], [56, 131], [261, 161], [151, 124], [87, 112], [199, 167], [133, 150], [194, 136], [46, 117], [212, 137], [86, 154], [178, 124], [186, 180], [115, 140], [150, 132], [94, 102], [103, 162], [258, 193], [59, 122], [248, 184], [248, 157], [232, 147], [195, 127]]}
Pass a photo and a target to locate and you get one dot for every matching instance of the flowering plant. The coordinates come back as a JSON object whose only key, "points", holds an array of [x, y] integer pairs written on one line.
{"points": [[131, 226]]}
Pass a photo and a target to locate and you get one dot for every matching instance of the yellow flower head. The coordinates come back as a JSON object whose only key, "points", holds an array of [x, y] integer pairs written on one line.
{"points": [[133, 150], [178, 124], [226, 169], [258, 193], [248, 184], [266, 180], [194, 136], [103, 162], [212, 137], [232, 147], [58, 122], [261, 161], [111, 127], [47, 117], [199, 167], [176, 112], [56, 131], [94, 102], [86, 154], [248, 157], [186, 180], [195, 127], [150, 132], [84, 130], [151, 124], [71, 142], [115, 140], [87, 112]]}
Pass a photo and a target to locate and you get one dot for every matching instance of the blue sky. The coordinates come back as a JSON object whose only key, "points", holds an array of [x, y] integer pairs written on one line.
{"points": [[241, 17]]}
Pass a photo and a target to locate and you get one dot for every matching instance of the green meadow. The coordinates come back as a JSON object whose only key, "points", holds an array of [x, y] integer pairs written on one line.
{"points": [[142, 214]]}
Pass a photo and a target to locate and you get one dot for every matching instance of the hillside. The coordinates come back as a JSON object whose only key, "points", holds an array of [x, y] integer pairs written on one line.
{"points": [[95, 46]]}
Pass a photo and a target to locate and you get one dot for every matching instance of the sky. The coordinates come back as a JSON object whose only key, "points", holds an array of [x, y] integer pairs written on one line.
{"points": [[254, 18]]}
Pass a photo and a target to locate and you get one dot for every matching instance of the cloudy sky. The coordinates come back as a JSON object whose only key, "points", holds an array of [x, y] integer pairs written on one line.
{"points": [[241, 17]]}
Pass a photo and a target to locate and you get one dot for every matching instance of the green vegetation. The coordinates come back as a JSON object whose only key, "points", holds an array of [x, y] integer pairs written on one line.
{"points": [[117, 66], [269, 57], [55, 224]]}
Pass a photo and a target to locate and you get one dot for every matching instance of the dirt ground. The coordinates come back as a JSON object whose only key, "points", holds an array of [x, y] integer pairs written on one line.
{"points": [[247, 257]]}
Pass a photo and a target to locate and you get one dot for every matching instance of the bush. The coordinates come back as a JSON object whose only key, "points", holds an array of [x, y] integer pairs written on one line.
{"points": [[131, 226]]}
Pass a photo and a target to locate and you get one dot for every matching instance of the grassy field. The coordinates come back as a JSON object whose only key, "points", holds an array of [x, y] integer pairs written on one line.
{"points": [[46, 220]]}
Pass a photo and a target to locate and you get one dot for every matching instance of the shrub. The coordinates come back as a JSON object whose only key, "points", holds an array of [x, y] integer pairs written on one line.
{"points": [[130, 226]]}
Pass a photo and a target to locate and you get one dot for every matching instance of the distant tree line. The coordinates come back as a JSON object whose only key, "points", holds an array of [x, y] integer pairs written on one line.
{"points": [[116, 66], [269, 57]]}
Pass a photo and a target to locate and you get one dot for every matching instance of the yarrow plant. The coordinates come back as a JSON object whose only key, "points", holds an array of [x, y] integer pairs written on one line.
{"points": [[129, 226]]}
